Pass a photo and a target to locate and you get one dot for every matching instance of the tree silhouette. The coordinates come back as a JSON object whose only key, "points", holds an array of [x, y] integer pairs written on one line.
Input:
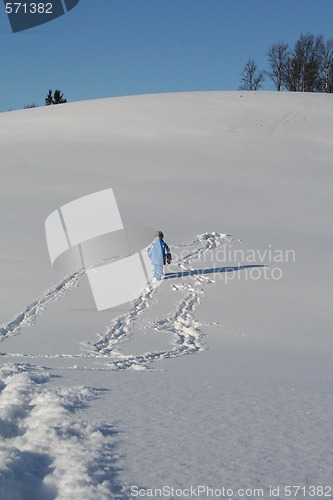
{"points": [[57, 98], [327, 66], [49, 98], [278, 58], [29, 106], [251, 77]]}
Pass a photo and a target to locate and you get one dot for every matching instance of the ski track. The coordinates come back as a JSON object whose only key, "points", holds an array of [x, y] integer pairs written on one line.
{"points": [[284, 124], [180, 324]]}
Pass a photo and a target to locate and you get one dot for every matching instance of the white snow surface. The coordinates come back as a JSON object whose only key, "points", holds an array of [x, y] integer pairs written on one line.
{"points": [[220, 377]]}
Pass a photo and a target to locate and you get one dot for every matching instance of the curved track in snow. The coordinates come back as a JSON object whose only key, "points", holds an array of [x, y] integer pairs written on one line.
{"points": [[179, 323], [32, 311]]}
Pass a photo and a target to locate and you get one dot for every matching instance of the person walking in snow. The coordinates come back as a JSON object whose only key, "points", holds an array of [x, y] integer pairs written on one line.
{"points": [[159, 253]]}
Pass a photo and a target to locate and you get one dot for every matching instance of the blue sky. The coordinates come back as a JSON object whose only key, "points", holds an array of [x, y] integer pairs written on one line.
{"points": [[105, 48]]}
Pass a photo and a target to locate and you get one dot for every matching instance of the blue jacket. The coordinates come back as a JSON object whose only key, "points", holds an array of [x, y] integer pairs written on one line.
{"points": [[158, 251]]}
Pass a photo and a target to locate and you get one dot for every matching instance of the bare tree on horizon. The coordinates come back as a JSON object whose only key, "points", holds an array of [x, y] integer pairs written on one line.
{"points": [[252, 78]]}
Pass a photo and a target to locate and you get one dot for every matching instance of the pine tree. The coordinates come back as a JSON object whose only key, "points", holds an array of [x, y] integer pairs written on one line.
{"points": [[49, 99], [57, 98]]}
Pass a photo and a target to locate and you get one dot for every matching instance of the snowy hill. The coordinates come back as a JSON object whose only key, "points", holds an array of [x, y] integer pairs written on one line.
{"points": [[222, 375]]}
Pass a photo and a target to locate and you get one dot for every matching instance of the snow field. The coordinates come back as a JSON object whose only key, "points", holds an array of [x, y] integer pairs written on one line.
{"points": [[253, 406]]}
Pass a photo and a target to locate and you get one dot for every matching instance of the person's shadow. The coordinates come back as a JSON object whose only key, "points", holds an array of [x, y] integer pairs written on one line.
{"points": [[212, 270]]}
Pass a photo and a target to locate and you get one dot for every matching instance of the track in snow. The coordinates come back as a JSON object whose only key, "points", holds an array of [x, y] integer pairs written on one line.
{"points": [[46, 452], [179, 323], [32, 311]]}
